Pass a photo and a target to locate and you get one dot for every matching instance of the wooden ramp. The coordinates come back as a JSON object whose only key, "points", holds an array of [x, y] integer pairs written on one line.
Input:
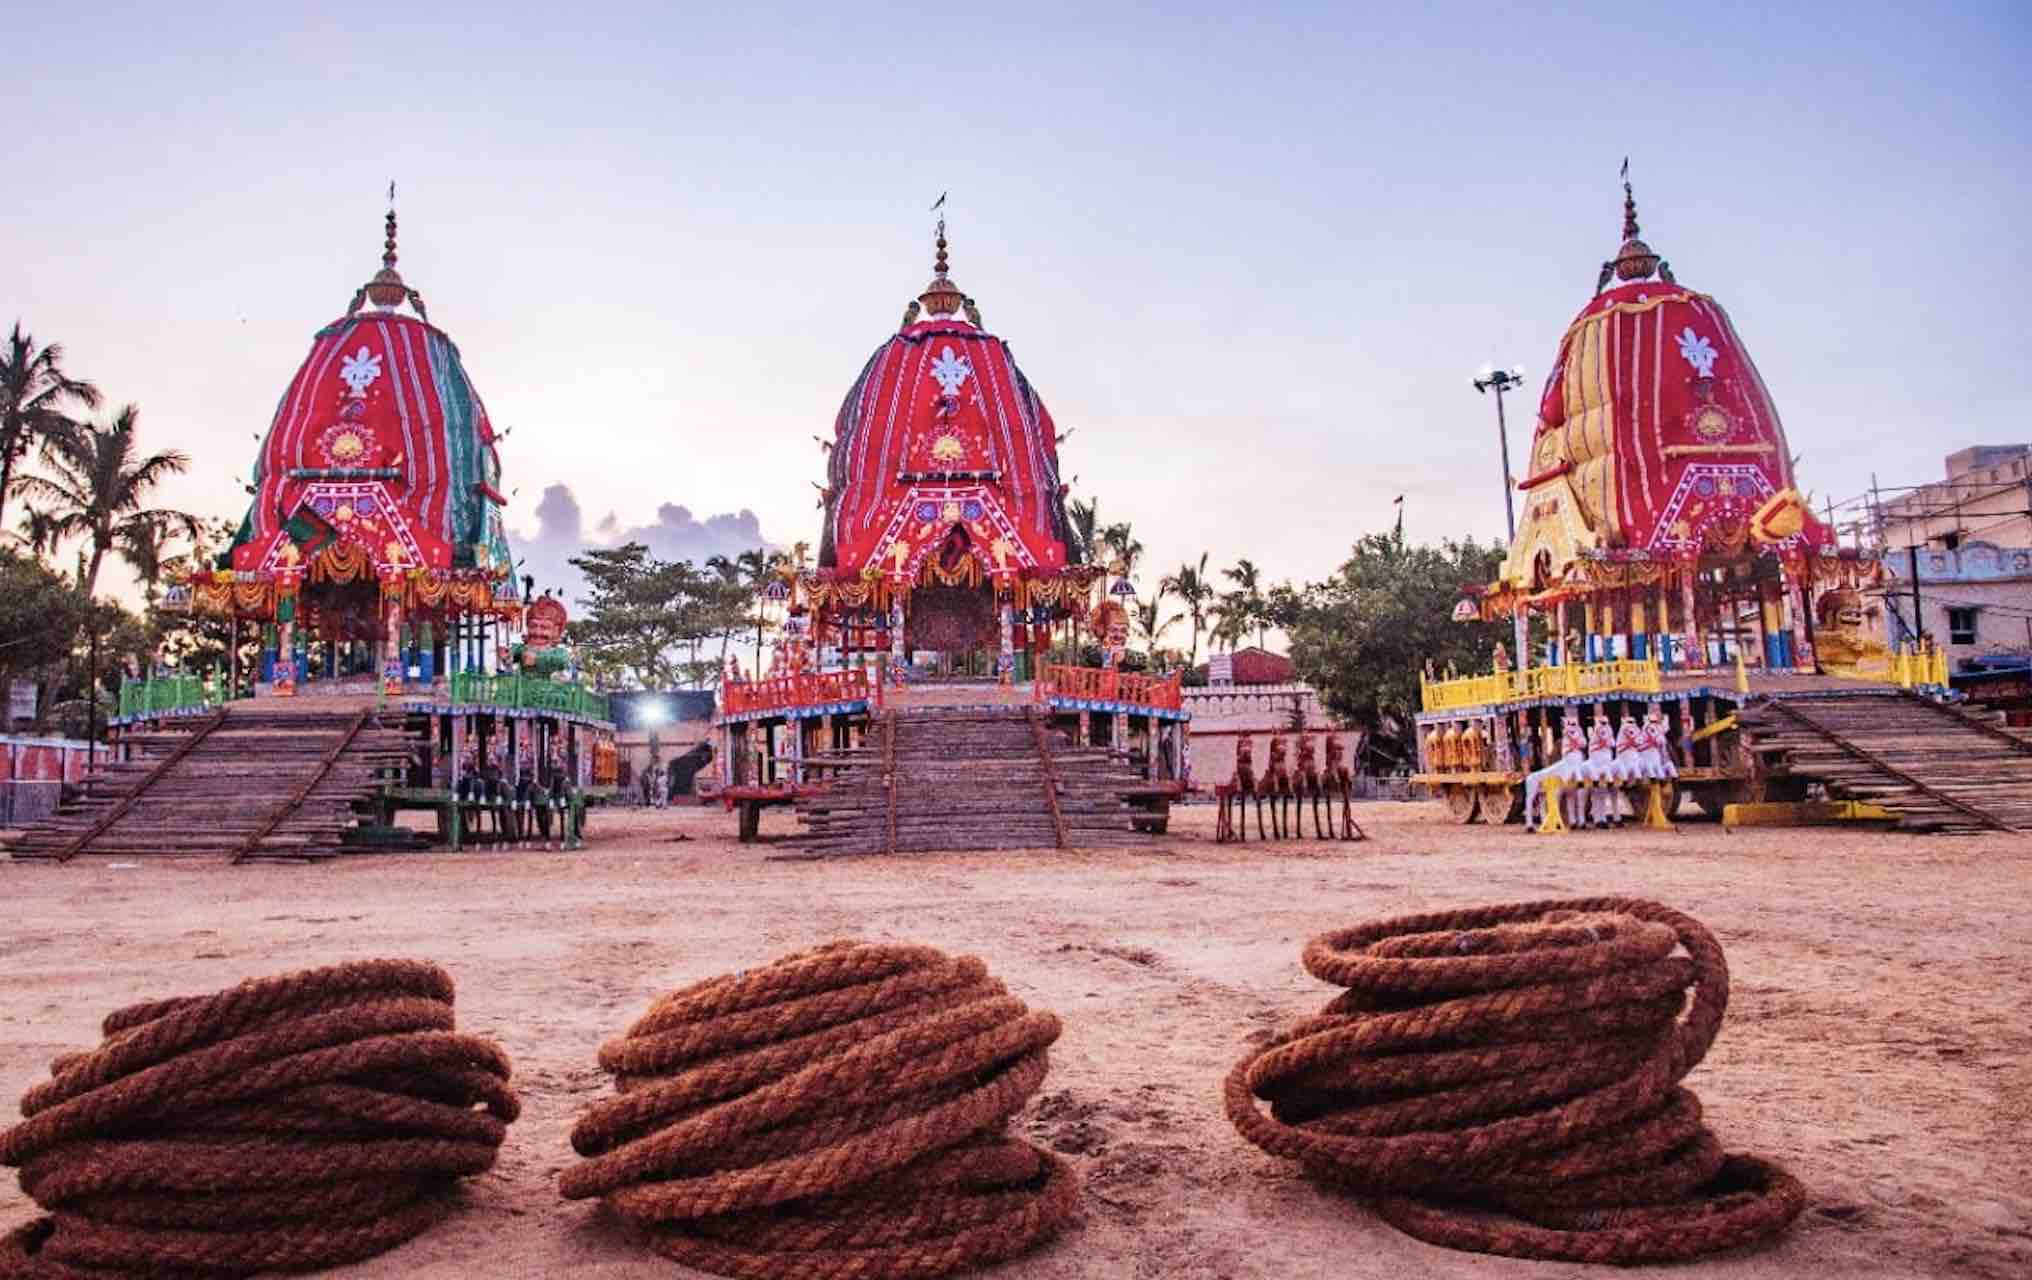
{"points": [[253, 782], [933, 778], [1939, 767]]}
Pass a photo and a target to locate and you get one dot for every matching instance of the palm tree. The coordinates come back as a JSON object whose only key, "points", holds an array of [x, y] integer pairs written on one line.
{"points": [[1248, 580], [34, 393], [1193, 590], [1083, 515], [751, 570], [1228, 621], [1119, 541], [98, 490], [1150, 624]]}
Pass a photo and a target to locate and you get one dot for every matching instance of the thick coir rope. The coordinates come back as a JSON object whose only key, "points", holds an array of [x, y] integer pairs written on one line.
{"points": [[284, 1124], [838, 1113], [1506, 1079]]}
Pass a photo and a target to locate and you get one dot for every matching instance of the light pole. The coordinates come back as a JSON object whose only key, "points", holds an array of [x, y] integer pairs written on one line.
{"points": [[1499, 381]]}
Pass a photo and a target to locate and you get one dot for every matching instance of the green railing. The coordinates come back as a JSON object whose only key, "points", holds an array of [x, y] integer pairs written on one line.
{"points": [[166, 694], [522, 693]]}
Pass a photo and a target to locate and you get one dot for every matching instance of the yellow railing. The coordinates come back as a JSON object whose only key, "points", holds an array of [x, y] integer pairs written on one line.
{"points": [[1580, 679], [1912, 669]]}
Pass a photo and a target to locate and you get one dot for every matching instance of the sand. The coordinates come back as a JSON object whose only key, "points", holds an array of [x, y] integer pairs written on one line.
{"points": [[1877, 1040]]}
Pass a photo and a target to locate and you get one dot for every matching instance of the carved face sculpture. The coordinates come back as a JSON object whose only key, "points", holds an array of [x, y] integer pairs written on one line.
{"points": [[1245, 752], [1278, 754], [1307, 761]]}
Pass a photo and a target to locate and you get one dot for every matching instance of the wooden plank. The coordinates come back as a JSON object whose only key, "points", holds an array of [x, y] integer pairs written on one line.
{"points": [[1917, 784], [302, 792], [169, 762]]}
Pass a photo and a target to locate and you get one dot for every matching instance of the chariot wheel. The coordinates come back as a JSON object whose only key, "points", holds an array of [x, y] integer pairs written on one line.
{"points": [[1463, 801], [1502, 803]]}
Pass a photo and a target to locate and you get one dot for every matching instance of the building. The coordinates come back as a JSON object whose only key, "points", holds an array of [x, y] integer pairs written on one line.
{"points": [[1969, 540], [1251, 691], [1986, 496]]}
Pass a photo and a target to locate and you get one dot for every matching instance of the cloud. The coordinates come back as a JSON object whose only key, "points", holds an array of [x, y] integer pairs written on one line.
{"points": [[676, 534]]}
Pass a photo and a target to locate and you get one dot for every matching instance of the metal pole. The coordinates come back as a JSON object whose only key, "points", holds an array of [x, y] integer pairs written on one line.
{"points": [[1918, 618], [1503, 436], [92, 694]]}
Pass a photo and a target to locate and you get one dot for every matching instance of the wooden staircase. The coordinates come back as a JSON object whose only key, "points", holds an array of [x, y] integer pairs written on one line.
{"points": [[252, 782], [932, 778], [1939, 767]]}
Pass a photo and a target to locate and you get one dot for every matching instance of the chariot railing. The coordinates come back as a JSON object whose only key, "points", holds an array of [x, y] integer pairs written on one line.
{"points": [[1100, 684], [518, 692], [781, 693], [163, 695], [1575, 679]]}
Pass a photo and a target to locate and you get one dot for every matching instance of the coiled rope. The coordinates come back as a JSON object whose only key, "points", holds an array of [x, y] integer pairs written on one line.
{"points": [[288, 1123], [837, 1113], [1505, 1079]]}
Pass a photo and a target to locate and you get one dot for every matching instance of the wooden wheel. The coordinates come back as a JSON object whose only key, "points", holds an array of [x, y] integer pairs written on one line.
{"points": [[1502, 803], [1463, 801]]}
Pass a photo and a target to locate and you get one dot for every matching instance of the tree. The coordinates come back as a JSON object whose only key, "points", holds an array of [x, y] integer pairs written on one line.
{"points": [[646, 618], [1247, 598], [41, 613], [1119, 542], [1362, 637], [35, 395], [744, 576], [1150, 625], [1193, 590], [1083, 518], [99, 490]]}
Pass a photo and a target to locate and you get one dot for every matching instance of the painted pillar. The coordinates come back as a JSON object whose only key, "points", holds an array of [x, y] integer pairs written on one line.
{"points": [[1590, 628], [1640, 639], [1794, 589], [1118, 733], [1696, 654], [896, 622], [1560, 657], [797, 728], [1185, 751], [1005, 665]]}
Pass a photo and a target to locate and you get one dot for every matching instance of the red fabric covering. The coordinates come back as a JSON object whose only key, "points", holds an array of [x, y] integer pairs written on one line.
{"points": [[380, 393], [1259, 666], [914, 456], [1655, 431]]}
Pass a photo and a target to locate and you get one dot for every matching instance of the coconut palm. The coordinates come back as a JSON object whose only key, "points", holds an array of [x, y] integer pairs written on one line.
{"points": [[1248, 580], [98, 490], [1196, 593], [35, 395], [1119, 541], [1083, 518], [1150, 623]]}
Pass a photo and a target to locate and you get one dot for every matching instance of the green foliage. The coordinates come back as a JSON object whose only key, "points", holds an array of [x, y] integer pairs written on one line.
{"points": [[648, 622], [1362, 637], [35, 397], [41, 612], [98, 490]]}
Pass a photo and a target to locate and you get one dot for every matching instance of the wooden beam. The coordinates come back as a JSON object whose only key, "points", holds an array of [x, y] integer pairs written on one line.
{"points": [[126, 802], [302, 792]]}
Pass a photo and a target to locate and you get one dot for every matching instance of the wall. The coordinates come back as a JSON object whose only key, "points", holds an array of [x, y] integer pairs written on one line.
{"points": [[1995, 580], [1221, 713], [1983, 497], [32, 773]]}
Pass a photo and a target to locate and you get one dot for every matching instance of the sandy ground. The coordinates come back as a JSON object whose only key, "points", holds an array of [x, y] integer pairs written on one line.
{"points": [[1877, 1041]]}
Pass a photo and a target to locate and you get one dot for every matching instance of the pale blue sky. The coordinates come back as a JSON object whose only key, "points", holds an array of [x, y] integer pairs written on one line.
{"points": [[1251, 256]]}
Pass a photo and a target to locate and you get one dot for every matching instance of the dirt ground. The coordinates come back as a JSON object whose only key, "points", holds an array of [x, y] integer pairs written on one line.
{"points": [[1878, 1040]]}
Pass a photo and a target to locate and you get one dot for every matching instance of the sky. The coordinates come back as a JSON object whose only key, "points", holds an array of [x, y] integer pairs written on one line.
{"points": [[1250, 255]]}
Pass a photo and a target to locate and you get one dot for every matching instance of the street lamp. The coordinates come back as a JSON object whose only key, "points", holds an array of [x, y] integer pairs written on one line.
{"points": [[1499, 381]]}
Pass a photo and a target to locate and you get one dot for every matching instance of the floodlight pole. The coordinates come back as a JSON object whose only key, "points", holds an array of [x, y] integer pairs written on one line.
{"points": [[1499, 381]]}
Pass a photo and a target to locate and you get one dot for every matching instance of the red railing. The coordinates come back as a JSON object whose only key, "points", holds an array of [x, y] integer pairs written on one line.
{"points": [[1102, 685], [778, 693]]}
